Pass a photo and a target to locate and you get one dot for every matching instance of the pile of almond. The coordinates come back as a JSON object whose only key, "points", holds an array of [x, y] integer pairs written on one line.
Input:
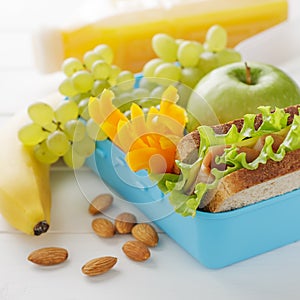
{"points": [[144, 236]]}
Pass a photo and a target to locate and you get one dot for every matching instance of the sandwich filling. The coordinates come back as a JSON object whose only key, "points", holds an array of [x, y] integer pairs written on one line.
{"points": [[222, 154]]}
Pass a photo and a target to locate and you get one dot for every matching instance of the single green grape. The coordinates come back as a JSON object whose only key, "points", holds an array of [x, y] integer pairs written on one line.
{"points": [[117, 91], [85, 147], [228, 56], [71, 65], [167, 73], [188, 53], [41, 113], [208, 61], [32, 134], [105, 52], [58, 143], [147, 84], [99, 86], [101, 69], [191, 76], [73, 160], [82, 81], [89, 58], [150, 66], [44, 155], [139, 93], [165, 47], [157, 92], [83, 109], [75, 130], [115, 71], [154, 98], [94, 131], [125, 80], [66, 110], [216, 38], [66, 88]]}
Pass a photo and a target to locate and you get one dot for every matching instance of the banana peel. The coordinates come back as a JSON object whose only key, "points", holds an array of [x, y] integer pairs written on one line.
{"points": [[25, 192]]}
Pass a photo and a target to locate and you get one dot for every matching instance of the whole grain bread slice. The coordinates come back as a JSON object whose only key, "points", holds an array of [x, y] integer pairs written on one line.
{"points": [[245, 187]]}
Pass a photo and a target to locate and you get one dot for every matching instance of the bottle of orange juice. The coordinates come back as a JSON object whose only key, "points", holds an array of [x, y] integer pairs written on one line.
{"points": [[129, 25]]}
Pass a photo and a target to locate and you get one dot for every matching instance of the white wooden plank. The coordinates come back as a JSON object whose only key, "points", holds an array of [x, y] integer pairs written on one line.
{"points": [[170, 273]]}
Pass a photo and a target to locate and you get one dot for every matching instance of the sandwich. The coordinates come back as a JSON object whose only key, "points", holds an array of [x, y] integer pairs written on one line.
{"points": [[228, 166]]}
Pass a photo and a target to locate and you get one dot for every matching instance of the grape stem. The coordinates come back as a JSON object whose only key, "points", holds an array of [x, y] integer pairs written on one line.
{"points": [[248, 74], [45, 129], [57, 127]]}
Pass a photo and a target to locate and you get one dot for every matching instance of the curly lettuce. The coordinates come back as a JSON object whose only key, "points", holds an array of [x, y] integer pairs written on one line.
{"points": [[185, 195]]}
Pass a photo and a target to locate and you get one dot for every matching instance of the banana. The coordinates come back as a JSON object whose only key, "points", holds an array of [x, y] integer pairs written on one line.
{"points": [[25, 193]]}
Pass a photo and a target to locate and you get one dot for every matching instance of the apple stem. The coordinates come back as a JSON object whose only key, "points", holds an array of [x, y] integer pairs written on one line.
{"points": [[248, 74]]}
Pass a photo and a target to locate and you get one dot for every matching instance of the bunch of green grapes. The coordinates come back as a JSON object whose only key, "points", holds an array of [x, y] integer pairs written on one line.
{"points": [[97, 72], [185, 62], [59, 133], [91, 75]]}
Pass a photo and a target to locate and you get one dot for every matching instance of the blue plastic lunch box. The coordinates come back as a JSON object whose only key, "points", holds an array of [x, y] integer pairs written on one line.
{"points": [[214, 239]]}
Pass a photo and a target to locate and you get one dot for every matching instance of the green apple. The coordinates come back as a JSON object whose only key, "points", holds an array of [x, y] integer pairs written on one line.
{"points": [[233, 90]]}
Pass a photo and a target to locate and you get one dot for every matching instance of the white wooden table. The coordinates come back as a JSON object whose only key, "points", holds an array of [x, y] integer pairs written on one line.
{"points": [[171, 273]]}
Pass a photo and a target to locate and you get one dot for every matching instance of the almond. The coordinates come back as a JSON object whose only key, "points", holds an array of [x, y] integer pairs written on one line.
{"points": [[99, 265], [124, 222], [145, 233], [100, 203], [103, 227], [48, 256], [136, 250]]}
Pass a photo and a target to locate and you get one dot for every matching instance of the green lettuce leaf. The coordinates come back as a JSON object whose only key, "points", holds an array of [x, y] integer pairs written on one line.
{"points": [[179, 188], [292, 139], [183, 204]]}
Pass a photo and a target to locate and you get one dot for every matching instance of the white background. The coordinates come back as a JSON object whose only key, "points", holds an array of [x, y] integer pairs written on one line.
{"points": [[170, 273]]}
